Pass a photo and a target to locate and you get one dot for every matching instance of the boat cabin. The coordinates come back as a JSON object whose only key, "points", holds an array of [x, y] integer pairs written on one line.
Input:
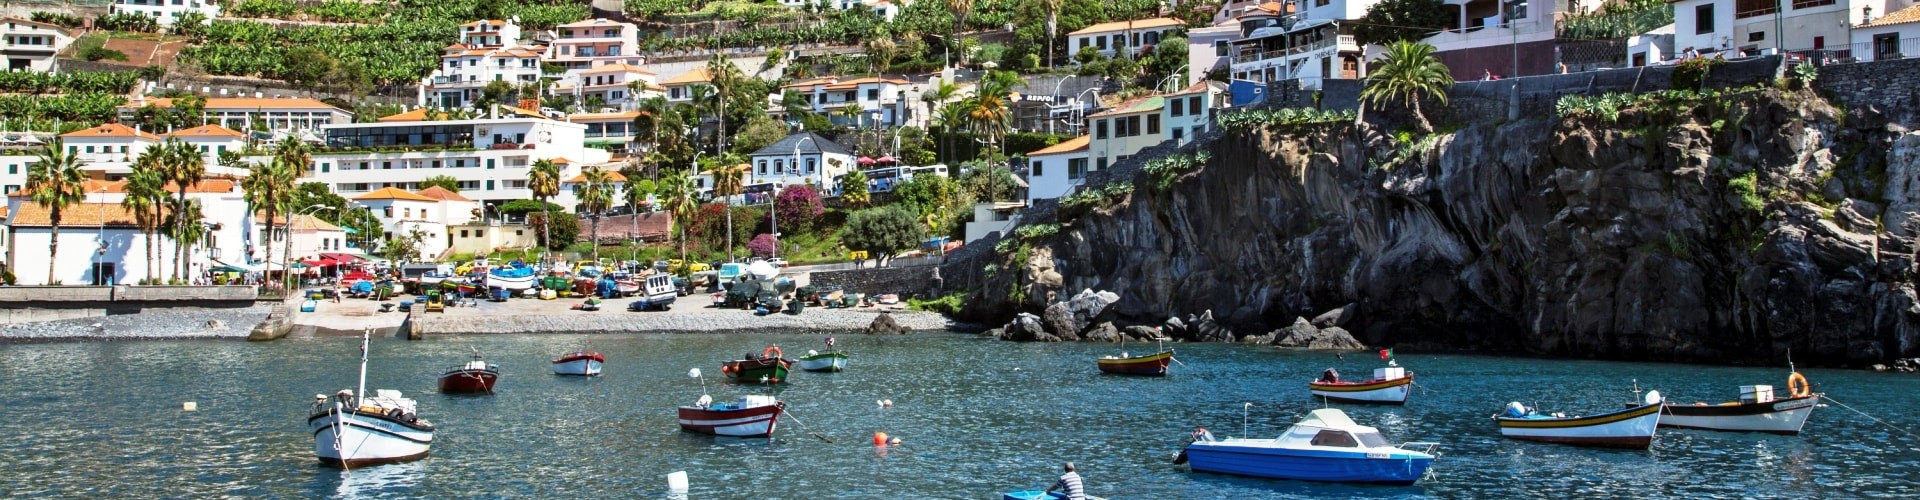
{"points": [[1330, 428]]}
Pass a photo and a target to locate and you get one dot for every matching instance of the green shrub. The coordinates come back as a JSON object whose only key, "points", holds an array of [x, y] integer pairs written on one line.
{"points": [[1268, 118], [945, 304], [1692, 74], [99, 53], [1166, 169], [1036, 231]]}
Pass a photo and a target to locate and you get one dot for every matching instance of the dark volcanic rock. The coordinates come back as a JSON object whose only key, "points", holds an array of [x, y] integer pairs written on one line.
{"points": [[1026, 328], [1721, 232], [1071, 318], [884, 324], [1103, 332], [1303, 334]]}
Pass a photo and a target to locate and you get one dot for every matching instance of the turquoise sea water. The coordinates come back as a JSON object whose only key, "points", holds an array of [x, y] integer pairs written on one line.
{"points": [[977, 417]]}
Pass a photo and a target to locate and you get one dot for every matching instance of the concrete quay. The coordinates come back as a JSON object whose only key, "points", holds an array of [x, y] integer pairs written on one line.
{"points": [[692, 314]]}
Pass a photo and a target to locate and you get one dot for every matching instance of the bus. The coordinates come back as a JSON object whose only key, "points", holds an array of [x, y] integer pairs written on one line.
{"points": [[881, 180]]}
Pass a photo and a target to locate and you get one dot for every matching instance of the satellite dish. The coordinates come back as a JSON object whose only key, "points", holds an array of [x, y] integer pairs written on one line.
{"points": [[693, 373]]}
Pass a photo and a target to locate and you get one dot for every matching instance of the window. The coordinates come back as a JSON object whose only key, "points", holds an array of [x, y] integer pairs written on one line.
{"points": [[1819, 42], [1076, 167], [1083, 43], [1153, 124], [811, 163], [873, 94], [1035, 169], [489, 167], [1103, 42], [1703, 19], [1330, 437], [1179, 134], [1756, 36], [1133, 126], [1220, 48], [762, 168], [1803, 4], [1102, 164], [389, 211], [1885, 47], [1099, 129], [1193, 105], [406, 213], [1177, 109], [463, 233], [780, 166], [325, 167], [489, 184]]}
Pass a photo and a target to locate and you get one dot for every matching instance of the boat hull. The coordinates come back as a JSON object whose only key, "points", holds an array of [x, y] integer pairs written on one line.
{"points": [[1243, 457], [750, 422], [1390, 391], [1154, 365], [1782, 416], [510, 283], [825, 362], [468, 381], [1630, 428], [584, 368], [757, 371], [350, 439]]}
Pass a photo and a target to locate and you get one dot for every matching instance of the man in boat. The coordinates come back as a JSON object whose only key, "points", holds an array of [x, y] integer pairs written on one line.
{"points": [[1331, 375], [1201, 434], [1069, 485]]}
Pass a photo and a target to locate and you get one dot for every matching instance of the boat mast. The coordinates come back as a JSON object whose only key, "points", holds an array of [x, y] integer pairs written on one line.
{"points": [[365, 337]]}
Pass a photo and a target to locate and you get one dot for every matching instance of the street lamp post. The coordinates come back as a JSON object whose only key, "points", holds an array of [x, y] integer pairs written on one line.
{"points": [[100, 255], [1055, 95], [1176, 72]]}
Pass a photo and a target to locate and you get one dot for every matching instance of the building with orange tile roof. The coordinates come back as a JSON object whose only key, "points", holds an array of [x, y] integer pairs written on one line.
{"points": [[594, 43], [1895, 35], [487, 51], [611, 85], [680, 88], [881, 100], [100, 239], [1134, 36], [1054, 171], [277, 114]]}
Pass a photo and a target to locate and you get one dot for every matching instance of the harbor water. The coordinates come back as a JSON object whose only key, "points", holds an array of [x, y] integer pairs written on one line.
{"points": [[976, 417]]}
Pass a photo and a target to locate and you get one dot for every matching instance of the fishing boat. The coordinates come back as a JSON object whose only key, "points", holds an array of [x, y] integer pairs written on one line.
{"points": [[767, 368], [474, 377], [582, 362], [1125, 364], [1629, 428], [435, 277], [830, 361], [1325, 446], [351, 429], [1756, 411], [1389, 385], [626, 283], [749, 416], [512, 277]]}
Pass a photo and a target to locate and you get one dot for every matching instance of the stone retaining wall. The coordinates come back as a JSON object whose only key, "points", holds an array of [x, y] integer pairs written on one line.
{"points": [[905, 281], [1890, 85]]}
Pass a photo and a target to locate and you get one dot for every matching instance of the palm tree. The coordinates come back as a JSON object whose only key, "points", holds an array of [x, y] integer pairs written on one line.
{"points": [[960, 9], [1409, 71], [987, 111], [646, 125], [269, 187], [632, 192], [679, 194], [950, 119], [56, 182], [544, 180], [727, 182], [296, 155], [700, 97], [596, 196], [146, 199], [183, 166], [853, 190], [187, 231], [726, 79], [1053, 27]]}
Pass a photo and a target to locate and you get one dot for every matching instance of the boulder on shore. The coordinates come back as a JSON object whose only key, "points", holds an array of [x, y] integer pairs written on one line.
{"points": [[1103, 332], [1338, 316], [1026, 328], [1302, 334], [884, 324], [1071, 318]]}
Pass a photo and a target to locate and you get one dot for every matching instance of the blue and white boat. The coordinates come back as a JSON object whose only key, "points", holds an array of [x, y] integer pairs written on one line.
{"points": [[1324, 446]]}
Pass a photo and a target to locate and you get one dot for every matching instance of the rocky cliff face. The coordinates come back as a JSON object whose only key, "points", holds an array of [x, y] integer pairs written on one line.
{"points": [[1736, 231]]}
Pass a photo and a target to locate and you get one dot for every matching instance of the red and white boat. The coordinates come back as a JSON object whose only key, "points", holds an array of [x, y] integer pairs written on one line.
{"points": [[474, 377], [1756, 411], [750, 416], [582, 362], [1389, 385]]}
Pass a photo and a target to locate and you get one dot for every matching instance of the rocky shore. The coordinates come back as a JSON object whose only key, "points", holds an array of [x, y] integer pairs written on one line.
{"points": [[153, 323], [691, 315]]}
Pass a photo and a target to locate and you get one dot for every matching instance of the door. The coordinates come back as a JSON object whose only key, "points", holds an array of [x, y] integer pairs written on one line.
{"points": [[1886, 46]]}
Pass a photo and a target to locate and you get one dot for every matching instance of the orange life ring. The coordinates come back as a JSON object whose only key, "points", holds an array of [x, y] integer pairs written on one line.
{"points": [[772, 351], [1797, 385]]}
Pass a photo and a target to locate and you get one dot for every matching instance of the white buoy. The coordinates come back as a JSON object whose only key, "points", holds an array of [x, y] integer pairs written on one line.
{"points": [[189, 406], [677, 482]]}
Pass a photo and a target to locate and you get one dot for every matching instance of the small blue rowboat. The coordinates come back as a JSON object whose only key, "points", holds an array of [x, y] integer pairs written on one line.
{"points": [[1033, 495], [1324, 446]]}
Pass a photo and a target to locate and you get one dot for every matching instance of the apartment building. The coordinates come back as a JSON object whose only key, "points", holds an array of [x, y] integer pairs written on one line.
{"points": [[253, 113], [803, 158], [589, 44], [166, 11], [488, 51], [30, 45], [610, 131], [1124, 130], [1189, 112], [1131, 38], [1503, 38], [880, 101], [1749, 27], [489, 157], [680, 88], [611, 86], [1309, 42], [108, 151], [100, 243]]}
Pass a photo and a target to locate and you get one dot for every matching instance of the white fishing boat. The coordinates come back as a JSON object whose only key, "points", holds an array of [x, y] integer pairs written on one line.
{"points": [[1389, 385], [351, 429], [751, 416], [512, 278], [1324, 446], [1629, 428], [581, 362], [1756, 411]]}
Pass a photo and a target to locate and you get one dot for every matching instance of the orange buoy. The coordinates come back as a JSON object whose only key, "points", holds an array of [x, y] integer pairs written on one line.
{"points": [[879, 439]]}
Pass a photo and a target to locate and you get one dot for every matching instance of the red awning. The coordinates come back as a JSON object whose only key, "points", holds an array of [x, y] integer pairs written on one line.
{"points": [[322, 262], [865, 160], [886, 159], [341, 257]]}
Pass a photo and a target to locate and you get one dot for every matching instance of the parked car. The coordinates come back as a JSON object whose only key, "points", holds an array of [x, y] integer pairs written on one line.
{"points": [[662, 266], [777, 262]]}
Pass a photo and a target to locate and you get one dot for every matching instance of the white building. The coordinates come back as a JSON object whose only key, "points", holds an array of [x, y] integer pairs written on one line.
{"points": [[109, 150], [612, 86], [1651, 47], [212, 141], [881, 101], [680, 88], [251, 113], [30, 45], [1748, 27], [310, 237], [489, 51], [579, 181], [1126, 129], [610, 131], [886, 9], [13, 169], [1894, 36], [489, 157], [1311, 47], [404, 214], [593, 43], [988, 218], [1056, 170], [100, 244], [1208, 48], [166, 11], [803, 158], [1503, 38], [1134, 36]]}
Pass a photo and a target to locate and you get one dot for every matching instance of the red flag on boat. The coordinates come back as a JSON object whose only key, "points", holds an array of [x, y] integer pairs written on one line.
{"points": [[829, 341], [1386, 353]]}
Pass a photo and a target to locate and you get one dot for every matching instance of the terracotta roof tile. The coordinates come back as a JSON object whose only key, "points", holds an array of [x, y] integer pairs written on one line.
{"points": [[389, 193], [616, 68], [204, 131], [442, 194], [1142, 24], [82, 214], [698, 75], [109, 130], [1902, 16], [612, 175], [214, 103], [1066, 146]]}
